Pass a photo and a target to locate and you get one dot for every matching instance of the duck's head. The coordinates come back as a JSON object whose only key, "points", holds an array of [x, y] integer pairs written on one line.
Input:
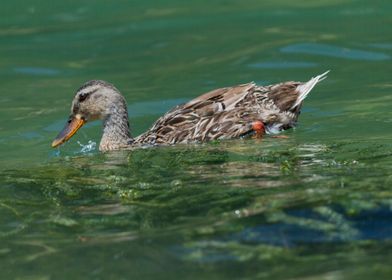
{"points": [[93, 101]]}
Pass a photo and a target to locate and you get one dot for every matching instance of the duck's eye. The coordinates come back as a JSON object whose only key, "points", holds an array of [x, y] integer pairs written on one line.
{"points": [[83, 96]]}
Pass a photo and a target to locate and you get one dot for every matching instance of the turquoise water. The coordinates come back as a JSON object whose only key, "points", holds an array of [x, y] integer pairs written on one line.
{"points": [[316, 205]]}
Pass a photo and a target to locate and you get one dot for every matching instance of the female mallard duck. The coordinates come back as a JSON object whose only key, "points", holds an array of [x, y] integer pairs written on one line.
{"points": [[224, 113]]}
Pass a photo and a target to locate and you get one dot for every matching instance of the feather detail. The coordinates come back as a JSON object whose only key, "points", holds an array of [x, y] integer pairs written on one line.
{"points": [[305, 88], [232, 112]]}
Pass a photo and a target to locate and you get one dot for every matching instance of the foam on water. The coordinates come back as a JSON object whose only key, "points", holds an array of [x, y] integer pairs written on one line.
{"points": [[89, 147]]}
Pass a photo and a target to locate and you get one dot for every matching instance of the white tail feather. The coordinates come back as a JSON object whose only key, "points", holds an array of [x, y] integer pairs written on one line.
{"points": [[305, 88]]}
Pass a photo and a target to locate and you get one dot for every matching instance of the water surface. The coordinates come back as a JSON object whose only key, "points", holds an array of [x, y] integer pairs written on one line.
{"points": [[316, 205]]}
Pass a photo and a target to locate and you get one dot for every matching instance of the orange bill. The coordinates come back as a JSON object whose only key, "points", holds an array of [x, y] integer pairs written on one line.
{"points": [[73, 124]]}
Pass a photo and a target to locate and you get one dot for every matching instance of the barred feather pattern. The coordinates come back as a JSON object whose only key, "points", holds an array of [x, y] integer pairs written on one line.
{"points": [[228, 113]]}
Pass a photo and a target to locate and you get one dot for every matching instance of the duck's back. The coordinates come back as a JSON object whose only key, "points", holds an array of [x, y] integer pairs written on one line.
{"points": [[230, 112], [219, 114]]}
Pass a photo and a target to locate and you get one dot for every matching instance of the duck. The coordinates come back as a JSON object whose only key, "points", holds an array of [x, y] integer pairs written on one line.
{"points": [[241, 111]]}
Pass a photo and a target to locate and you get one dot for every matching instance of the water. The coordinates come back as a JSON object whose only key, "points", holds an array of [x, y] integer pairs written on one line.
{"points": [[314, 206]]}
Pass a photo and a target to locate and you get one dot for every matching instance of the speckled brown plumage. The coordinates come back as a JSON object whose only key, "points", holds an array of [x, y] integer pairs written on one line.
{"points": [[223, 113]]}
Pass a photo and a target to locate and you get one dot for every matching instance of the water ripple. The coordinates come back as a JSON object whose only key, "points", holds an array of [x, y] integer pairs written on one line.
{"points": [[282, 64], [386, 46], [334, 51], [38, 71], [89, 147]]}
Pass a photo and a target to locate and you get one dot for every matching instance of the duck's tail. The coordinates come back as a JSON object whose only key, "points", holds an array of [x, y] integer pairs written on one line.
{"points": [[305, 88]]}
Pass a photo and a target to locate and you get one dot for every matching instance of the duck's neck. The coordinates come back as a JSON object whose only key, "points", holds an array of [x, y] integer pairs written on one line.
{"points": [[116, 133]]}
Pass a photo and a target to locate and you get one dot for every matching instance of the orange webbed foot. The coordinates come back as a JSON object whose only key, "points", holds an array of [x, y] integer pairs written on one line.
{"points": [[258, 127]]}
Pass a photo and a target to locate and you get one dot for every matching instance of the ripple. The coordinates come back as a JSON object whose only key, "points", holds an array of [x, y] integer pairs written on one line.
{"points": [[386, 46], [334, 51], [38, 71], [30, 135], [89, 147], [282, 64]]}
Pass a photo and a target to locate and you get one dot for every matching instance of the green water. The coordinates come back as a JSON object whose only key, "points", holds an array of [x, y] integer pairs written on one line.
{"points": [[317, 205]]}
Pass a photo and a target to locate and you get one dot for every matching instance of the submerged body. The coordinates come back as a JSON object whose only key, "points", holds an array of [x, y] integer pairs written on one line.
{"points": [[223, 113]]}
